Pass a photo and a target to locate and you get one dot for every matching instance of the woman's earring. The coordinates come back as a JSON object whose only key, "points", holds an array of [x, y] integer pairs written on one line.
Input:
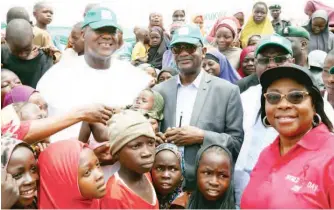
{"points": [[318, 121], [264, 121]]}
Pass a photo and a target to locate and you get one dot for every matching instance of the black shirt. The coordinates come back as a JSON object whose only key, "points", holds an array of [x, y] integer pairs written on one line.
{"points": [[247, 82], [29, 71]]}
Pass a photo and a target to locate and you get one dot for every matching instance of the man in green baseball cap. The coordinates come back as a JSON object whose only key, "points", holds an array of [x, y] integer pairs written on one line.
{"points": [[100, 34], [328, 77], [194, 95], [277, 22], [271, 51], [300, 40]]}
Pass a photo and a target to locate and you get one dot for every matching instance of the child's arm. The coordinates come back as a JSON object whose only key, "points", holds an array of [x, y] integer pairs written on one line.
{"points": [[84, 132]]}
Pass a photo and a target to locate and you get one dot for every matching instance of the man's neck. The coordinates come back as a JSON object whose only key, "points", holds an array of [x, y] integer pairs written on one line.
{"points": [[97, 63], [276, 20], [187, 79], [41, 26], [301, 60]]}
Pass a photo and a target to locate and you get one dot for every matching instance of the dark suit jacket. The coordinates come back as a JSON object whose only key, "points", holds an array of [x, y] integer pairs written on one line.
{"points": [[217, 111], [247, 82]]}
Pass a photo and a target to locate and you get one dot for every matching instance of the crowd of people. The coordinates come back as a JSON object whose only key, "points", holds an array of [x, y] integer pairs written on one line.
{"points": [[237, 117]]}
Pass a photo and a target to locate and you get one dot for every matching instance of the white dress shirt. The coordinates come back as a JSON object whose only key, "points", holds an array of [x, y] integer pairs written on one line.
{"points": [[185, 101]]}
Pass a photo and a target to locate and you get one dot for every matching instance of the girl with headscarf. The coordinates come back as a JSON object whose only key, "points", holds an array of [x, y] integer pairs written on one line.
{"points": [[211, 37], [312, 6], [158, 46], [321, 37], [167, 174], [166, 73], [199, 20], [247, 67], [71, 177], [225, 36], [18, 160], [23, 93], [259, 23], [215, 63], [214, 179]]}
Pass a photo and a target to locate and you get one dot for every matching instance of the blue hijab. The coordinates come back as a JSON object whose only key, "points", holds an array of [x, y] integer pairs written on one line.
{"points": [[227, 72]]}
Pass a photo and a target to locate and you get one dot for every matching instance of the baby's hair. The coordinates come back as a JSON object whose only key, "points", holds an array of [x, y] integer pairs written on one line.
{"points": [[251, 37]]}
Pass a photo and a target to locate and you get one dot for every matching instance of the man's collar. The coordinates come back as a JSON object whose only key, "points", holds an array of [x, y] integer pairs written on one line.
{"points": [[196, 82]]}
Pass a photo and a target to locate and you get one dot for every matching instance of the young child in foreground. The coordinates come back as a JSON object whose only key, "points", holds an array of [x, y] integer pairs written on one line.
{"points": [[132, 142]]}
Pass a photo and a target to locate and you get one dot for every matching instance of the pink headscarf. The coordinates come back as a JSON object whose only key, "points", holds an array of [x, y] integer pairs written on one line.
{"points": [[313, 6], [58, 169], [19, 93], [212, 33]]}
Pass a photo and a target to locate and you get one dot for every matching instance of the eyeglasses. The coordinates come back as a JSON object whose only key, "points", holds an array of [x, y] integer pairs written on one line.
{"points": [[189, 48], [278, 59], [294, 97]]}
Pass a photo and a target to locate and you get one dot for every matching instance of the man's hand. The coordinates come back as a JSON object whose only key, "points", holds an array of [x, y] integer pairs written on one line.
{"points": [[96, 113], [160, 138], [183, 136], [103, 154], [9, 190]]}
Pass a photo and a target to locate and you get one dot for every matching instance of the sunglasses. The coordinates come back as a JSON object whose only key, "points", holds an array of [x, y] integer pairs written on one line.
{"points": [[189, 48], [294, 97], [278, 59]]}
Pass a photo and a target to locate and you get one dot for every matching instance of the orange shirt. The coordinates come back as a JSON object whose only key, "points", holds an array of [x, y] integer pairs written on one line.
{"points": [[120, 196]]}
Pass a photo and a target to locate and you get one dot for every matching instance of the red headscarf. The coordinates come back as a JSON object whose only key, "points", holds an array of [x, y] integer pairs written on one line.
{"points": [[212, 33], [58, 169], [243, 54], [313, 6]]}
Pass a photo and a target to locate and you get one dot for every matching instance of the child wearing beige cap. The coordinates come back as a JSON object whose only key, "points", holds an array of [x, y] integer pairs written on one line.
{"points": [[132, 142]]}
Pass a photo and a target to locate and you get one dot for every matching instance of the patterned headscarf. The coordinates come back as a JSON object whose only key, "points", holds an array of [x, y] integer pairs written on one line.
{"points": [[8, 145], [167, 200]]}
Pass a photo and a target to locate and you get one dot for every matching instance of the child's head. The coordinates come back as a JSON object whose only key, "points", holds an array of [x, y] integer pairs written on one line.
{"points": [[156, 36], [28, 111], [9, 80], [76, 38], [18, 159], [43, 13], [23, 93], [142, 35], [151, 101], [19, 37], [145, 100], [214, 175], [167, 170], [132, 141], [73, 169], [254, 40], [17, 13], [165, 74]]}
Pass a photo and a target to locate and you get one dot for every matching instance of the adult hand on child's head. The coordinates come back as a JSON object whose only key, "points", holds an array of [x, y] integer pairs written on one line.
{"points": [[186, 135], [160, 138], [103, 154], [96, 113], [9, 190]]}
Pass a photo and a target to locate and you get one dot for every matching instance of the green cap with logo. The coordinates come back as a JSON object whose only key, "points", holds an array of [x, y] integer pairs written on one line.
{"points": [[274, 40], [331, 70], [275, 6], [295, 31], [100, 17], [190, 34]]}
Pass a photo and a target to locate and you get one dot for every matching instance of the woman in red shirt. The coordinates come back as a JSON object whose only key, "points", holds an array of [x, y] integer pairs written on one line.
{"points": [[297, 169]]}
